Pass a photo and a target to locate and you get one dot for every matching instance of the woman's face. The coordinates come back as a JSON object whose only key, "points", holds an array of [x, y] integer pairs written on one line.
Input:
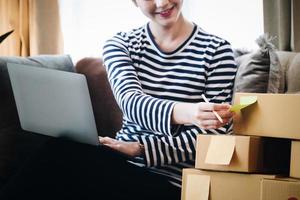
{"points": [[162, 12]]}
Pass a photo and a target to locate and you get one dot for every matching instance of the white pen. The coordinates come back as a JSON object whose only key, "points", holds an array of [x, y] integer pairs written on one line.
{"points": [[216, 114]]}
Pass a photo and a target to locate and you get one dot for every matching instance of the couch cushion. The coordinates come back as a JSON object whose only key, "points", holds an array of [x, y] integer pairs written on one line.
{"points": [[14, 144], [253, 72], [293, 74], [260, 71], [108, 116]]}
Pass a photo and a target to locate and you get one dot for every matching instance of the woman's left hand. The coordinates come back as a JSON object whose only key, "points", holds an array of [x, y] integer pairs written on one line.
{"points": [[132, 149]]}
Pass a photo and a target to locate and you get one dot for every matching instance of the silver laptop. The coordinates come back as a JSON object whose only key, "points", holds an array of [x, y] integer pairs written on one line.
{"points": [[54, 103]]}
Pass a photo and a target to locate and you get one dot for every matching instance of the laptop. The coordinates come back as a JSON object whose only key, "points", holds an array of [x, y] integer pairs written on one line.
{"points": [[54, 103]]}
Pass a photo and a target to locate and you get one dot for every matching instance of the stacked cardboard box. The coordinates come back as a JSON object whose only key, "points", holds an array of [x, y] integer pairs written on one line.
{"points": [[252, 163], [273, 115], [243, 154], [203, 185], [295, 160]]}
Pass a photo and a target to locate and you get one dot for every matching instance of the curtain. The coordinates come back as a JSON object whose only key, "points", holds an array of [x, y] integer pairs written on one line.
{"points": [[281, 20], [295, 37], [36, 25]]}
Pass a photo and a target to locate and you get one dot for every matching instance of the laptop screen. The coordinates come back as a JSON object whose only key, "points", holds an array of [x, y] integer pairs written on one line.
{"points": [[53, 102]]}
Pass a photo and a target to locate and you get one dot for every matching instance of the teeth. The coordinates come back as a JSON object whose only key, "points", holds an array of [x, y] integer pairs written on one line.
{"points": [[165, 11]]}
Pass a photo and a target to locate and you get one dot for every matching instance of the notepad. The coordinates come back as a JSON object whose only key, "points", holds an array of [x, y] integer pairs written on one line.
{"points": [[245, 101], [197, 187], [220, 150]]}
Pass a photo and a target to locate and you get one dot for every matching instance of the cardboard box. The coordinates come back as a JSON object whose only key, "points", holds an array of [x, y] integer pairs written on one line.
{"points": [[243, 154], [280, 189], [204, 185], [295, 160], [273, 115]]}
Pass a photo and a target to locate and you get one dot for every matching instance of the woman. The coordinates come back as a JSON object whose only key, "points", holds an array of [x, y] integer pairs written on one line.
{"points": [[158, 73]]}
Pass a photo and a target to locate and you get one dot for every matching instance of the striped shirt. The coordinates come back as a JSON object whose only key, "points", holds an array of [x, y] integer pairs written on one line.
{"points": [[148, 82]]}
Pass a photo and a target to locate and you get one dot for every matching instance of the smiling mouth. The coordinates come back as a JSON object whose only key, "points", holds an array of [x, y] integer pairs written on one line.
{"points": [[165, 13]]}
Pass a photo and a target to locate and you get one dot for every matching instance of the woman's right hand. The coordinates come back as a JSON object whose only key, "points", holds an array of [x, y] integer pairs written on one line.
{"points": [[201, 114]]}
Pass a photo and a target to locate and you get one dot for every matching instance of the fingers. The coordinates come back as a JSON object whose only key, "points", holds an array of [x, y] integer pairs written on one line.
{"points": [[213, 106], [222, 106], [212, 124], [112, 143], [209, 115], [115, 146], [107, 140], [207, 119], [128, 148]]}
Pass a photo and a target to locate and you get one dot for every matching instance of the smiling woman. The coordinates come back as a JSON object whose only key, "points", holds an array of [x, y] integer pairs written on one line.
{"points": [[87, 24]]}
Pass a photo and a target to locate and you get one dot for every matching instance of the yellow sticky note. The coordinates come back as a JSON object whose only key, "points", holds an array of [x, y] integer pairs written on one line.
{"points": [[197, 187], [244, 102], [220, 150]]}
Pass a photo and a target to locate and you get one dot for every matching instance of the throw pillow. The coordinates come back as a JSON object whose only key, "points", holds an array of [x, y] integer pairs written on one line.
{"points": [[259, 71]]}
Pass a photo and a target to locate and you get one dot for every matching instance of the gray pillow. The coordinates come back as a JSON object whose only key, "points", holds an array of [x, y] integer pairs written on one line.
{"points": [[259, 71]]}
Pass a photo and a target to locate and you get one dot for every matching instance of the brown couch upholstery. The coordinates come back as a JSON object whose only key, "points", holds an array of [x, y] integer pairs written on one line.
{"points": [[108, 116]]}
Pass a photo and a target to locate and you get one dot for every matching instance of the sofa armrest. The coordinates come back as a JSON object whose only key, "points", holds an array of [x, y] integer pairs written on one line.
{"points": [[107, 114]]}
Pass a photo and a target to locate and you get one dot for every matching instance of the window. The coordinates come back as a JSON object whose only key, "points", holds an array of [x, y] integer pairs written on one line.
{"points": [[238, 21], [87, 24]]}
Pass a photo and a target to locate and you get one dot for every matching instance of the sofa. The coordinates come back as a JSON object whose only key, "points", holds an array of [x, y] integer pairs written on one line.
{"points": [[16, 145]]}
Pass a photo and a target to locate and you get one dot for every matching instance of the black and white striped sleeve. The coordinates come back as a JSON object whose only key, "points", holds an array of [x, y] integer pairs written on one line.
{"points": [[167, 150], [148, 112], [220, 80]]}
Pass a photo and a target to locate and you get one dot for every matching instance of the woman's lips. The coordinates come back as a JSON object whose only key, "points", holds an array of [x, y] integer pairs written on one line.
{"points": [[166, 13]]}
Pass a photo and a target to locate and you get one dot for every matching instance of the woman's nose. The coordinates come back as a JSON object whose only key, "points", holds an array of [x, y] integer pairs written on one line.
{"points": [[161, 3]]}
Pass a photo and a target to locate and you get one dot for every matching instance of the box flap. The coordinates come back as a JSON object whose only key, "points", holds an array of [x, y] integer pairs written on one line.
{"points": [[220, 150], [295, 160], [201, 192]]}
